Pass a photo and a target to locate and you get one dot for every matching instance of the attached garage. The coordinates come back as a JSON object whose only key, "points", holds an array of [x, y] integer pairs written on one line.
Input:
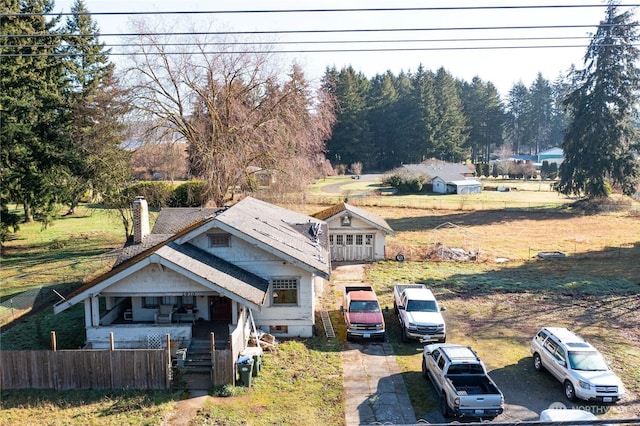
{"points": [[355, 234]]}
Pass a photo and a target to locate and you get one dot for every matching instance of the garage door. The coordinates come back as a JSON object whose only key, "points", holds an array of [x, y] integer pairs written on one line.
{"points": [[351, 247]]}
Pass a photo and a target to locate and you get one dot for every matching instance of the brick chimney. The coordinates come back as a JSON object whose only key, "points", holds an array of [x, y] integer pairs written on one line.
{"points": [[140, 219]]}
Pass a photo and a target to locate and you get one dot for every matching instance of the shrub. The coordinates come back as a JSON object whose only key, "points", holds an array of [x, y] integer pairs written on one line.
{"points": [[189, 194], [157, 194], [406, 182]]}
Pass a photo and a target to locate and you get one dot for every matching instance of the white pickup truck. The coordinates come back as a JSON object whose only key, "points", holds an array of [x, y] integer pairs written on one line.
{"points": [[419, 314], [462, 382]]}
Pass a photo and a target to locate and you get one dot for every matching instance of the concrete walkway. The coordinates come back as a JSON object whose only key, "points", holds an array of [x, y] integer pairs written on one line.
{"points": [[375, 392]]}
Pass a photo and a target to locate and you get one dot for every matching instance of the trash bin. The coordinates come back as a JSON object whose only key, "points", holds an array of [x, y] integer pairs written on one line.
{"points": [[256, 354], [245, 369], [257, 361]]}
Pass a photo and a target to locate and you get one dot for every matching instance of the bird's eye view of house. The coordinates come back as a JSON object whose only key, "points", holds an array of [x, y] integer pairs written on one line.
{"points": [[200, 270]]}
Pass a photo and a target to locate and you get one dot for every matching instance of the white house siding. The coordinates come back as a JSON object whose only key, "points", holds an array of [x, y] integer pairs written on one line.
{"points": [[299, 319], [439, 185], [357, 242], [136, 336]]}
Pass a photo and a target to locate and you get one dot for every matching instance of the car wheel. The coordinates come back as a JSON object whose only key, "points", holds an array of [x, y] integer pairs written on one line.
{"points": [[444, 407], [443, 340], [403, 335], [537, 362], [425, 372], [569, 391]]}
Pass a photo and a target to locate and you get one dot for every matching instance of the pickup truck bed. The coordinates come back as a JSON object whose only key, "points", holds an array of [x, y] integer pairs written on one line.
{"points": [[472, 385]]}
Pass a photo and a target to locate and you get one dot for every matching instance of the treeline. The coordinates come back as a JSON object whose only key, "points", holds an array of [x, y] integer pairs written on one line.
{"points": [[389, 120]]}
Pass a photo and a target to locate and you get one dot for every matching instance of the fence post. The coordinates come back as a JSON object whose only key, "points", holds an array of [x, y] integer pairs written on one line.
{"points": [[54, 343], [112, 344], [214, 371], [169, 375]]}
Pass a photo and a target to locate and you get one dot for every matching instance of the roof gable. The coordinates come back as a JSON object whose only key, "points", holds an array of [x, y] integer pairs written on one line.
{"points": [[368, 217]]}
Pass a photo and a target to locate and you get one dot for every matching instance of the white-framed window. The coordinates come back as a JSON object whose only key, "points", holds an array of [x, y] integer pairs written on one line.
{"points": [[284, 291], [219, 239]]}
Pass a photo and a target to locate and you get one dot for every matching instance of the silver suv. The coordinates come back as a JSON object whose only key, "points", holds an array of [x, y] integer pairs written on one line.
{"points": [[576, 364]]}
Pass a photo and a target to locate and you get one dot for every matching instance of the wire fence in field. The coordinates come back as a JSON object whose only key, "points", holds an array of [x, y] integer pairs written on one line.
{"points": [[18, 305]]}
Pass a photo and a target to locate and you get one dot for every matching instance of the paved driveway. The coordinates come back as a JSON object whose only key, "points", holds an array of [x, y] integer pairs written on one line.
{"points": [[375, 392], [374, 388]]}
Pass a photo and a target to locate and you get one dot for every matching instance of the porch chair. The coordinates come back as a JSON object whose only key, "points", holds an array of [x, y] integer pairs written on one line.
{"points": [[164, 314]]}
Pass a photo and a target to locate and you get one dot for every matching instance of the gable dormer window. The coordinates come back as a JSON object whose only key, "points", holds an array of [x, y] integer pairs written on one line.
{"points": [[219, 240]]}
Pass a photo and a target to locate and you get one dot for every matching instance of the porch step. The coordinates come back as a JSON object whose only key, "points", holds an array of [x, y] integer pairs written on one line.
{"points": [[187, 369], [198, 355]]}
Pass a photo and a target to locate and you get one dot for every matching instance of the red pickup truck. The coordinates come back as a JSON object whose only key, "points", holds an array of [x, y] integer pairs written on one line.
{"points": [[362, 313]]}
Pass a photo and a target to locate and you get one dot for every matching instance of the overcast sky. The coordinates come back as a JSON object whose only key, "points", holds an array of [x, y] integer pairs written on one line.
{"points": [[502, 66]]}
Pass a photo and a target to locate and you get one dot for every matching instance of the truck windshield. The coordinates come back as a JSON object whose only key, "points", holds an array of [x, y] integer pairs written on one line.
{"points": [[456, 369], [421, 306], [363, 306], [587, 361]]}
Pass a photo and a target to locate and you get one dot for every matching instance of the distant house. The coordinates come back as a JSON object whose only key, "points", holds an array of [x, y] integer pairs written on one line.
{"points": [[551, 155], [249, 266], [355, 234], [448, 178]]}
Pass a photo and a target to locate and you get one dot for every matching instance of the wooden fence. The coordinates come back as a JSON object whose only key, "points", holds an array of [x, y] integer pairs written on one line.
{"points": [[85, 369]]}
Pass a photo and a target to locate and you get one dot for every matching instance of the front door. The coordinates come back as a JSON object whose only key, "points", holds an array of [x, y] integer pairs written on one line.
{"points": [[219, 308]]}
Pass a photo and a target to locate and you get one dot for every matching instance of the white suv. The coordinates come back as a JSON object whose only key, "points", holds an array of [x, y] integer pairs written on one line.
{"points": [[576, 364]]}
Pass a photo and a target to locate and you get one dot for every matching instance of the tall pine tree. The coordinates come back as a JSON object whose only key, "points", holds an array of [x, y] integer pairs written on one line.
{"points": [[600, 142], [34, 111]]}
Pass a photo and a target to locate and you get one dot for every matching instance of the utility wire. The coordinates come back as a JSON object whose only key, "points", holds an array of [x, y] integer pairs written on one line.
{"points": [[293, 42], [359, 50], [322, 31], [384, 9]]}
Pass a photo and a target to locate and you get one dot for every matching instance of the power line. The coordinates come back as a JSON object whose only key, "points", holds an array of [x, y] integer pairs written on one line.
{"points": [[323, 31], [293, 42], [269, 11], [359, 50]]}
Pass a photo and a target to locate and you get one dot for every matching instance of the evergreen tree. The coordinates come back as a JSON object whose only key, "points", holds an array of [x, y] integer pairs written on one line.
{"points": [[485, 117], [601, 139], [98, 104], [423, 127], [450, 128], [518, 108], [34, 111], [351, 139], [382, 119], [540, 114]]}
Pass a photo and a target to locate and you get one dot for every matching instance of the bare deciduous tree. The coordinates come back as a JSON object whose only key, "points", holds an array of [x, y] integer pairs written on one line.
{"points": [[235, 110]]}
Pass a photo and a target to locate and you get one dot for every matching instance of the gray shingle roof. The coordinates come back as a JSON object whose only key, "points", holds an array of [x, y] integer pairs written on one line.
{"points": [[173, 220], [448, 172], [219, 272], [278, 229], [369, 217]]}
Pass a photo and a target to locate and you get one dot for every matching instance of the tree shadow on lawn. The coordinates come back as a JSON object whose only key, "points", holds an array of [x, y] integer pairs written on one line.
{"points": [[477, 218], [117, 400]]}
